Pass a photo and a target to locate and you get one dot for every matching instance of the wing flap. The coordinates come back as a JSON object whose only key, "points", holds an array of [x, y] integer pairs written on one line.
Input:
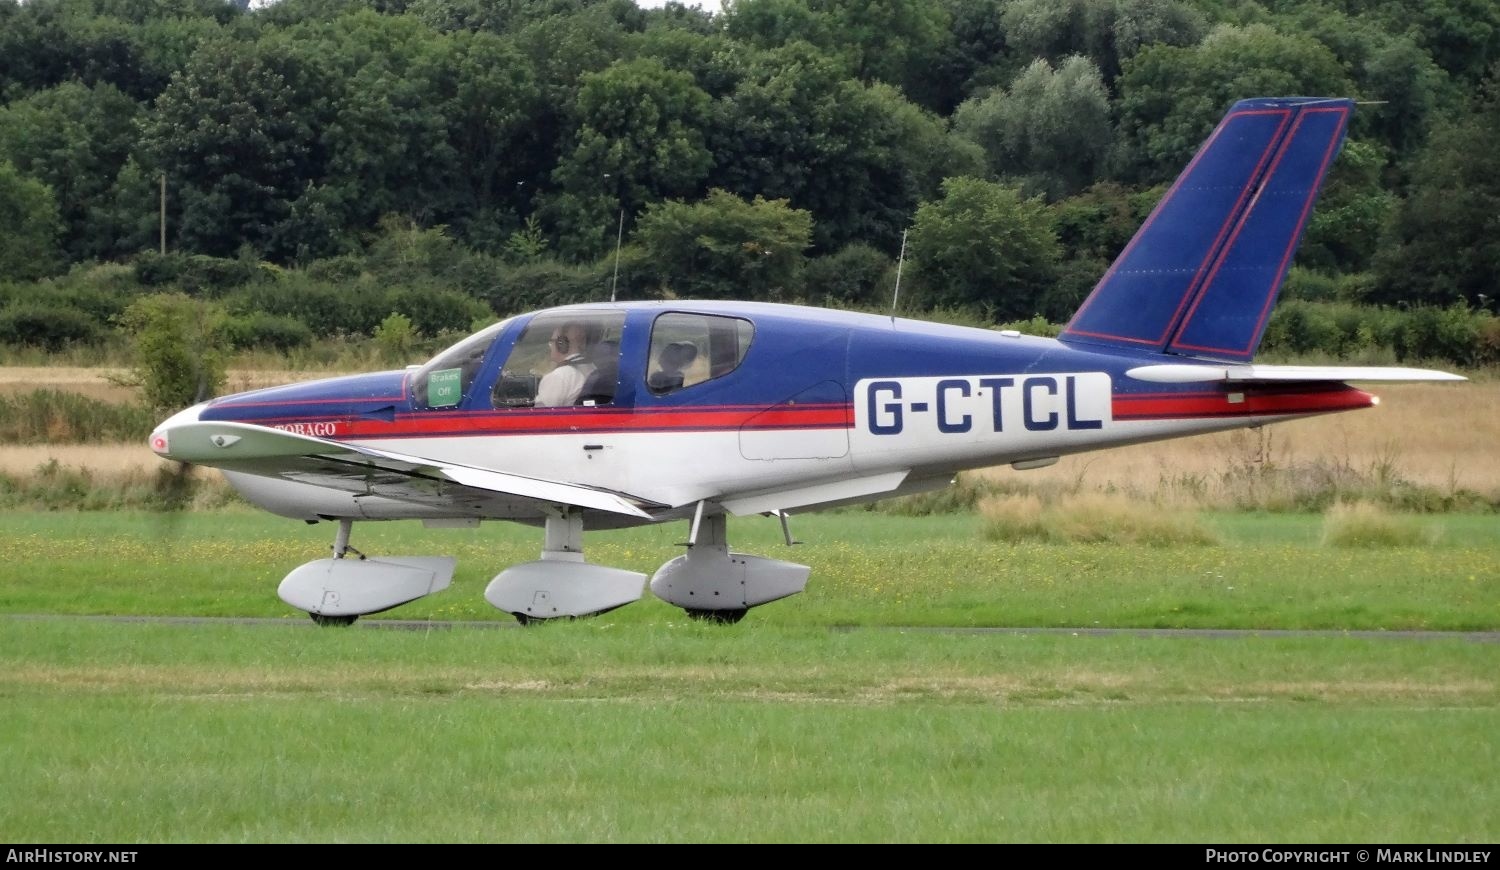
{"points": [[267, 452]]}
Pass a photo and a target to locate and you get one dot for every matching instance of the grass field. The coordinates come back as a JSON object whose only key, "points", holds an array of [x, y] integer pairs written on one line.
{"points": [[814, 720], [679, 732]]}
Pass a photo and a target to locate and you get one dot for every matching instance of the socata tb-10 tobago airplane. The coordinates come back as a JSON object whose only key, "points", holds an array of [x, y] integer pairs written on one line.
{"points": [[611, 415]]}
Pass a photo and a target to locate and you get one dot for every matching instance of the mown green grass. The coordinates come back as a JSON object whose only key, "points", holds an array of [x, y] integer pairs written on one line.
{"points": [[868, 569], [605, 731]]}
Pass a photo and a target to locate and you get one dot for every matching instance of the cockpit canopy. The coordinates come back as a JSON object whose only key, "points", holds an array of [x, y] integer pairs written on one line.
{"points": [[573, 357]]}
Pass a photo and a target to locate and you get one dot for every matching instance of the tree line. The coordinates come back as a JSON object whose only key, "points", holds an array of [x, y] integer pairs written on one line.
{"points": [[328, 163]]}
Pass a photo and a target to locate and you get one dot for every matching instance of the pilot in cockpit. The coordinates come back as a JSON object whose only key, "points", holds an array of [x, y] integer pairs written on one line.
{"points": [[568, 350]]}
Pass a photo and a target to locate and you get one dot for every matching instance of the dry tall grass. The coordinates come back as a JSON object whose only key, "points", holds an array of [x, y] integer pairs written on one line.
{"points": [[1361, 524], [1090, 518], [1444, 438], [113, 385]]}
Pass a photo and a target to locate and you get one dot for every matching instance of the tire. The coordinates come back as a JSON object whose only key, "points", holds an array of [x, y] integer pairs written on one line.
{"points": [[718, 617]]}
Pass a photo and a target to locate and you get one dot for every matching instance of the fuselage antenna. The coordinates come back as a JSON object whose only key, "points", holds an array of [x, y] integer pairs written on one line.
{"points": [[619, 236], [896, 296]]}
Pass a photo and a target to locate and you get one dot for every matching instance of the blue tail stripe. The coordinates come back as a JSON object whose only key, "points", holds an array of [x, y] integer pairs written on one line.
{"points": [[1229, 315], [1200, 275]]}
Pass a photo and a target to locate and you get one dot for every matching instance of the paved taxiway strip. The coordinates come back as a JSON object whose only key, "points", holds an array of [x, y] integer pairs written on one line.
{"points": [[446, 625]]}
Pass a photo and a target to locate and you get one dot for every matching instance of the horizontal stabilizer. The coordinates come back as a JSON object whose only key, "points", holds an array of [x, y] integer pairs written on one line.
{"points": [[1179, 373]]}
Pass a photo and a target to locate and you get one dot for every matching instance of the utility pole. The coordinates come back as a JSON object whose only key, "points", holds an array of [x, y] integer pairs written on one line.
{"points": [[163, 214]]}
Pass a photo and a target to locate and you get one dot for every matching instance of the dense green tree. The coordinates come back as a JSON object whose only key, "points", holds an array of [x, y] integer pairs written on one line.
{"points": [[558, 51], [860, 158], [983, 245], [1092, 229], [972, 57], [130, 214], [856, 274], [29, 227], [639, 140], [1463, 36], [1106, 31], [713, 59], [774, 23], [386, 138], [133, 46], [1050, 131], [74, 138], [1343, 232], [1054, 30], [1409, 86], [891, 41], [1171, 97], [497, 153], [1139, 23], [725, 247], [502, 128], [236, 144], [1443, 247], [1387, 66]]}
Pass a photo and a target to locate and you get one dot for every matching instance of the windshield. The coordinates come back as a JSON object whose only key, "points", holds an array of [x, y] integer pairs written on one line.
{"points": [[444, 382]]}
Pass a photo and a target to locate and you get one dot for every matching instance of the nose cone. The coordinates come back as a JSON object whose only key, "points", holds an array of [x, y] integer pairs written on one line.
{"points": [[161, 439]]}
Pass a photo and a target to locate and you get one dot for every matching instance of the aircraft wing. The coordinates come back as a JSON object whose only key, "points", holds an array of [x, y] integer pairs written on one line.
{"points": [[1179, 373], [268, 452]]}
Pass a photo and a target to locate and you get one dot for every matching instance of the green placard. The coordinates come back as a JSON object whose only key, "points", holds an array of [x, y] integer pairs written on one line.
{"points": [[445, 388]]}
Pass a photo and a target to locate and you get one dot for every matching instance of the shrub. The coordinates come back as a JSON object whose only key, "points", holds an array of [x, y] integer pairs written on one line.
{"points": [[1090, 518], [549, 283], [1038, 326], [434, 312], [52, 327], [327, 309], [179, 349], [1363, 524], [856, 275], [1310, 286], [196, 274], [259, 329], [1440, 333], [396, 338]]}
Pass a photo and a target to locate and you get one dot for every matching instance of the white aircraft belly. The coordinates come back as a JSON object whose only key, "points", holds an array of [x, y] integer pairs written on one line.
{"points": [[672, 468]]}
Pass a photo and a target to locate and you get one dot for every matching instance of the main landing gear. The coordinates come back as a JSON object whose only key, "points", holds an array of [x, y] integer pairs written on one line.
{"points": [[709, 582], [337, 591], [712, 584], [560, 585]]}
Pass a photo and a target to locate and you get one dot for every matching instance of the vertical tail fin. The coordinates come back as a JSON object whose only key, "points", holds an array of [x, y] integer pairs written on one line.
{"points": [[1201, 275]]}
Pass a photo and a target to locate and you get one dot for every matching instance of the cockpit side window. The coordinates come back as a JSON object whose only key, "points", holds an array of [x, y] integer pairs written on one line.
{"points": [[688, 349], [445, 381], [565, 358]]}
